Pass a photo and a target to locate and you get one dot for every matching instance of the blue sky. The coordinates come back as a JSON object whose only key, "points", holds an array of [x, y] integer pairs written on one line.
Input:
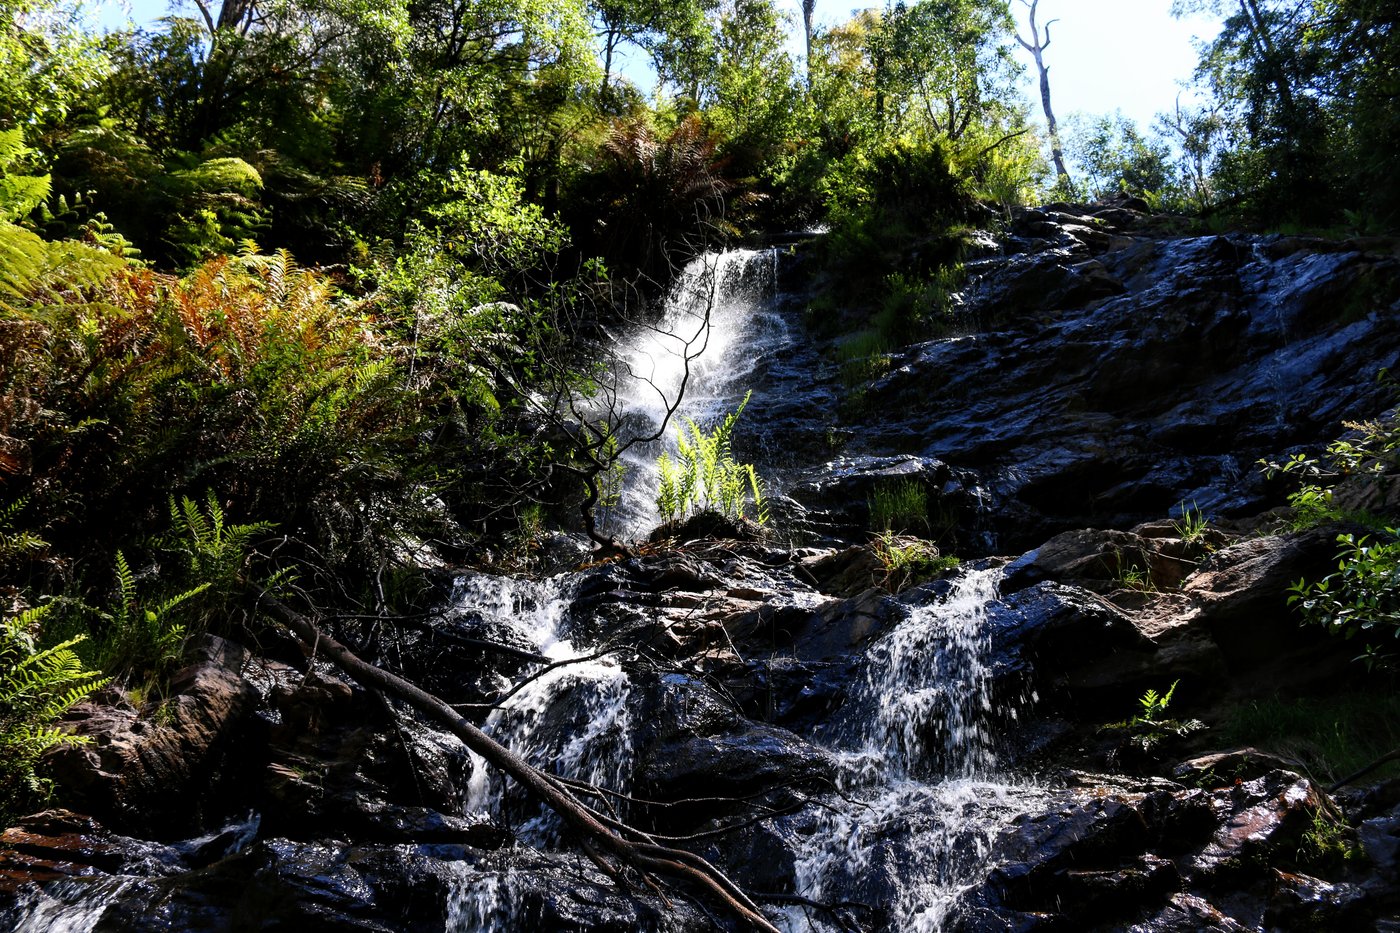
{"points": [[1104, 54]]}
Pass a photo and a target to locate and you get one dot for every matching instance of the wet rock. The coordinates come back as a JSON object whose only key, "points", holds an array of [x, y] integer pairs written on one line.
{"points": [[158, 775], [1380, 840], [1077, 650], [847, 572], [1258, 818], [793, 693], [1075, 850], [695, 746], [280, 884], [59, 844], [1190, 913], [1241, 594], [834, 500], [1101, 560], [1300, 902], [339, 763], [1078, 406], [837, 628]]}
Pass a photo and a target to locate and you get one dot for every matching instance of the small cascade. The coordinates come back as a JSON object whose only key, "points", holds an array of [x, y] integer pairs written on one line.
{"points": [[716, 330], [918, 782], [69, 906], [928, 682], [572, 720], [479, 902]]}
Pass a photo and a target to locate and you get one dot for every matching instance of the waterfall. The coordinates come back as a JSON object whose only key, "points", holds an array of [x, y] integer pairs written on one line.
{"points": [[595, 747], [918, 785], [715, 332], [74, 905]]}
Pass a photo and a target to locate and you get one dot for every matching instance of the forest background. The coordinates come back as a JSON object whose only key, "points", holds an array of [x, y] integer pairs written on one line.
{"points": [[312, 294]]}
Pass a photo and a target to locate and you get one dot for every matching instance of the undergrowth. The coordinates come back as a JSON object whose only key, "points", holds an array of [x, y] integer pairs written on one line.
{"points": [[37, 685], [705, 477], [1331, 736]]}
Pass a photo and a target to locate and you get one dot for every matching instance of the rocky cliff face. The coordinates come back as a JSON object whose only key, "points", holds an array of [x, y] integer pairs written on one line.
{"points": [[857, 752], [1110, 373]]}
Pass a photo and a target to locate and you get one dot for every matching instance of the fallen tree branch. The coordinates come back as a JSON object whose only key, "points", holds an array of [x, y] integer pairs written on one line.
{"points": [[549, 665], [597, 838], [1384, 759]]}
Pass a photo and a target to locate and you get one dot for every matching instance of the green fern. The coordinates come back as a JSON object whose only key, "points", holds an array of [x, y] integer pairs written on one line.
{"points": [[17, 544], [703, 475], [141, 639], [37, 686], [27, 260]]}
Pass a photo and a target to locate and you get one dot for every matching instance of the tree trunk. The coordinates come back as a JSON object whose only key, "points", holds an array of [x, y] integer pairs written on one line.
{"points": [[808, 8], [1037, 48]]}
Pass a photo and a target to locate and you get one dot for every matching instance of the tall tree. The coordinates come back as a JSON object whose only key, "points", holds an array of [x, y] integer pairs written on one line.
{"points": [[1036, 45], [1305, 90], [943, 66], [808, 8]]}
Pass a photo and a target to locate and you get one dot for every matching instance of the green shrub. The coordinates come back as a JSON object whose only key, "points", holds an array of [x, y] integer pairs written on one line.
{"points": [[140, 635], [705, 477], [1361, 598], [1154, 704]]}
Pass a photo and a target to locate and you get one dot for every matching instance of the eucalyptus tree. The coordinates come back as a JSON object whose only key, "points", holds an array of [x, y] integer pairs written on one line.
{"points": [[661, 30], [944, 65], [1306, 90], [1037, 44], [752, 95]]}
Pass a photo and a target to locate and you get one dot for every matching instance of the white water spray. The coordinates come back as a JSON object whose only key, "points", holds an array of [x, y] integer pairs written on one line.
{"points": [[715, 332], [920, 803]]}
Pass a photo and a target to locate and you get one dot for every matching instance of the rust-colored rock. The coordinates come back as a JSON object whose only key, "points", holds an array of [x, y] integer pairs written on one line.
{"points": [[153, 775]]}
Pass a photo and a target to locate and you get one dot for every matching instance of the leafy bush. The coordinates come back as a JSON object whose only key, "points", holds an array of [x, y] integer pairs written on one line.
{"points": [[1361, 598], [37, 685], [1154, 704], [705, 477]]}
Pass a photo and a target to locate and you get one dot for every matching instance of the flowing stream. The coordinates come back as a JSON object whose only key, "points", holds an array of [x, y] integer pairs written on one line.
{"points": [[918, 772], [920, 798]]}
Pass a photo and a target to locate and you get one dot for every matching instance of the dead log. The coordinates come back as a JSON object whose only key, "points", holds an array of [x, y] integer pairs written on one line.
{"points": [[599, 835]]}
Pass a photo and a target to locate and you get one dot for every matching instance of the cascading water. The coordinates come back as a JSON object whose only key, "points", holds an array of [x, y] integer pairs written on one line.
{"points": [[919, 793], [594, 745], [919, 790], [572, 720], [716, 330]]}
